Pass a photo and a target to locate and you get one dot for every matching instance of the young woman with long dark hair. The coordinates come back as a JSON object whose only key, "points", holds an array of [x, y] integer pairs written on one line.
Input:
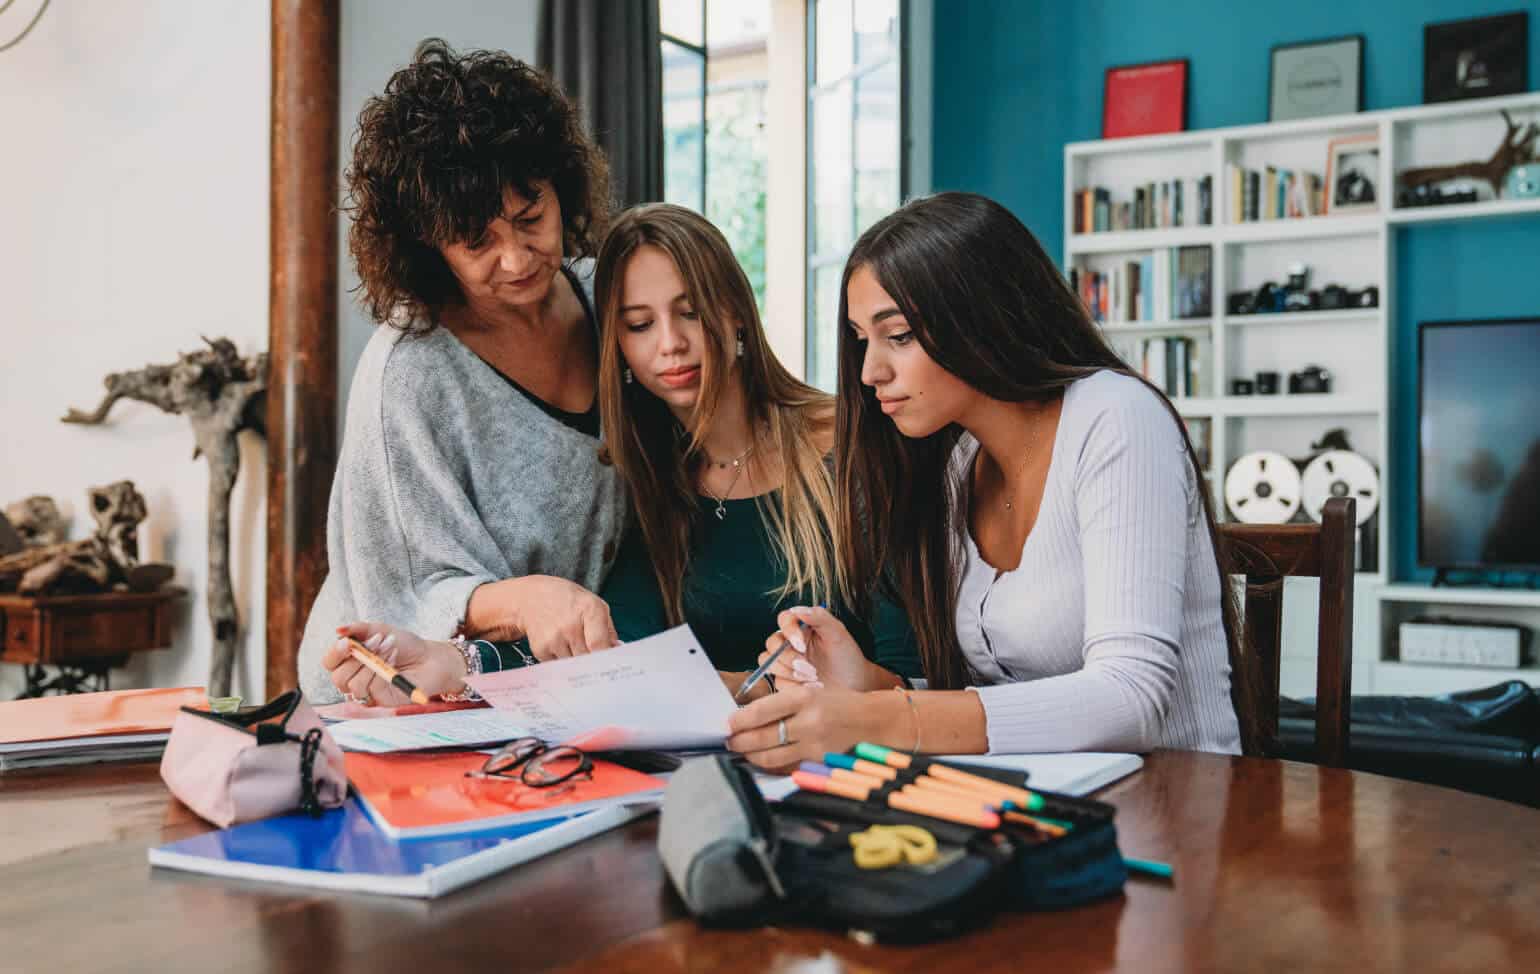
{"points": [[1036, 506]]}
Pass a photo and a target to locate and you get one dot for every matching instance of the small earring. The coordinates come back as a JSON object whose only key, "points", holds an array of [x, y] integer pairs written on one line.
{"points": [[740, 344], [625, 374]]}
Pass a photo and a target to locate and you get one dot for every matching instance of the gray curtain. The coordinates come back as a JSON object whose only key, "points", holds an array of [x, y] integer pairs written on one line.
{"points": [[604, 54]]}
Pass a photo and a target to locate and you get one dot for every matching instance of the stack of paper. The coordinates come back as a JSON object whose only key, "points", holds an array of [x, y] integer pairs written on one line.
{"points": [[114, 725]]}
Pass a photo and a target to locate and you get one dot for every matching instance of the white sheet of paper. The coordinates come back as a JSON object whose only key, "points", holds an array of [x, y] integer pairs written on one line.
{"points": [[660, 692], [416, 732]]}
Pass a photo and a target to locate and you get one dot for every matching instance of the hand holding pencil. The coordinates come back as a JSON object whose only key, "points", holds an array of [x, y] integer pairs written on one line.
{"points": [[429, 667], [822, 652]]}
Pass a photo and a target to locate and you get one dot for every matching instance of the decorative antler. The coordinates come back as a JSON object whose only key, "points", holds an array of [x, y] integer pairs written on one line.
{"points": [[1514, 149]]}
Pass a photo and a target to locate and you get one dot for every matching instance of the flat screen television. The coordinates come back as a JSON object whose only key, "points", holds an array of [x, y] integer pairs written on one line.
{"points": [[1478, 432]]}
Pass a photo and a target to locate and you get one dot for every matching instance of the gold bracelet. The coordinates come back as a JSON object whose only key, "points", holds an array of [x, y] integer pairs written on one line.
{"points": [[914, 710]]}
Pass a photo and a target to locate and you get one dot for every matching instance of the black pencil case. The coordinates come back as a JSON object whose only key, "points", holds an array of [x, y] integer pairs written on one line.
{"points": [[1046, 872]]}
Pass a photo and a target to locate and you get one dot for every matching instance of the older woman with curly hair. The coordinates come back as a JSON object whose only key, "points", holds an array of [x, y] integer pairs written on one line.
{"points": [[470, 495]]}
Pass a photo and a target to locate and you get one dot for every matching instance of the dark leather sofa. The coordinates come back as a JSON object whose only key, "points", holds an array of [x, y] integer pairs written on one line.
{"points": [[1484, 741]]}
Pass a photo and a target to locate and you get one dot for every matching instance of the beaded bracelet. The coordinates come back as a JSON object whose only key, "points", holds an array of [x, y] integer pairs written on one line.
{"points": [[470, 652]]}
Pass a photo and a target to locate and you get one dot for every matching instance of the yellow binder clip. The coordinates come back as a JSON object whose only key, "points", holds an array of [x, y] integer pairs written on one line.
{"points": [[883, 846]]}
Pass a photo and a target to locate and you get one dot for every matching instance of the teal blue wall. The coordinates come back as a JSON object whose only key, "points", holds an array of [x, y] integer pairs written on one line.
{"points": [[1016, 79]]}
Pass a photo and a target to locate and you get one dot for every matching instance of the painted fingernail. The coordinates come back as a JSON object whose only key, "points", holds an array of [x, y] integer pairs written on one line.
{"points": [[804, 669], [373, 642], [388, 641], [797, 642]]}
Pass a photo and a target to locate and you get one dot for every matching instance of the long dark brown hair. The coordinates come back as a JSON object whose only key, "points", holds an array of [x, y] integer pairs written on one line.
{"points": [[659, 458], [989, 306]]}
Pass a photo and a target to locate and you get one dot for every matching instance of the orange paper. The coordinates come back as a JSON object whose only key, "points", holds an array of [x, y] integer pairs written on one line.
{"points": [[415, 793], [96, 714]]}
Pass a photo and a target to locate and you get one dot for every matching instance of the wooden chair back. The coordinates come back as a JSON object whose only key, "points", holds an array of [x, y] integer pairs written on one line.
{"points": [[1266, 554]]}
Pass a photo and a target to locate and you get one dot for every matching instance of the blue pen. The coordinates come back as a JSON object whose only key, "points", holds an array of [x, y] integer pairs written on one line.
{"points": [[764, 667]]}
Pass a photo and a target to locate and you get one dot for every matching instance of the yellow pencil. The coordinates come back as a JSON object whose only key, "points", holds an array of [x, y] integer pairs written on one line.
{"points": [[385, 671]]}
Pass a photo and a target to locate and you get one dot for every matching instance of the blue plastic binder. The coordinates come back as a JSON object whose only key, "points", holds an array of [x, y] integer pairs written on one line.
{"points": [[343, 850]]}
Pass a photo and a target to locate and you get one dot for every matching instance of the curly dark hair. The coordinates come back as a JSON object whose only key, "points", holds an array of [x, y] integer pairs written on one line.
{"points": [[433, 159]]}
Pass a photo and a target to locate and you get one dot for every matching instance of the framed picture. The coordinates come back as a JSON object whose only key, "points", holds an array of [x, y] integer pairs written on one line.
{"points": [[1353, 174], [1475, 58], [1315, 78], [1145, 99]]}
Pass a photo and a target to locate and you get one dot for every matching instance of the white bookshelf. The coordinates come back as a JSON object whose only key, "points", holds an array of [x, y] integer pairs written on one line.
{"points": [[1355, 344]]}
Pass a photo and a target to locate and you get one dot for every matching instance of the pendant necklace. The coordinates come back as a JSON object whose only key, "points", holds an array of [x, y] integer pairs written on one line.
{"points": [[740, 463]]}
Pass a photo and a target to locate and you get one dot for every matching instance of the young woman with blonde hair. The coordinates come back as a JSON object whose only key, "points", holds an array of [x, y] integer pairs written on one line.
{"points": [[723, 452]]}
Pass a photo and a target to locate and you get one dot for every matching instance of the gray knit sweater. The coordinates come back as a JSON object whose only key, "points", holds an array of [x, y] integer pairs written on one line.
{"points": [[450, 478]]}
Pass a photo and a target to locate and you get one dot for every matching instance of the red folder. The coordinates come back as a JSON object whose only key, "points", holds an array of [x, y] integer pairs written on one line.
{"points": [[418, 794]]}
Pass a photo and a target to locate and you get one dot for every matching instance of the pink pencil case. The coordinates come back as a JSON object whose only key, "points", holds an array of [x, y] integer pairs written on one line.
{"points": [[254, 763]]}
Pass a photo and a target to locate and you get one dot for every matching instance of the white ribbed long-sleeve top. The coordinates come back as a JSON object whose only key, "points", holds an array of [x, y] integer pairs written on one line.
{"points": [[1108, 635]]}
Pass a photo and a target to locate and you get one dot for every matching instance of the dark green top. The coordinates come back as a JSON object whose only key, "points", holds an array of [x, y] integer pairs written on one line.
{"points": [[730, 597]]}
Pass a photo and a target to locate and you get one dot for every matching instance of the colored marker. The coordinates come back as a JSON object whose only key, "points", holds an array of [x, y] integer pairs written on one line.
{"points": [[857, 764], [965, 804], [818, 783], [897, 759], [948, 813], [1146, 867], [1020, 797], [1048, 826], [883, 755]]}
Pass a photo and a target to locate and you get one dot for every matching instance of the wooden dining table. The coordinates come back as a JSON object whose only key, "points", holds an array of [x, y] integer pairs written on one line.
{"points": [[1278, 867]]}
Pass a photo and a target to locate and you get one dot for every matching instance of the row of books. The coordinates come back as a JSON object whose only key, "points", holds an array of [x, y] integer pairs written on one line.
{"points": [[1274, 194], [1174, 203], [1173, 365], [1153, 288]]}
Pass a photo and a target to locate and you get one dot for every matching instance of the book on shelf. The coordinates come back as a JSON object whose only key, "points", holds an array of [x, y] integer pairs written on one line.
{"points": [[1173, 364], [1273, 193], [1155, 287], [1150, 206]]}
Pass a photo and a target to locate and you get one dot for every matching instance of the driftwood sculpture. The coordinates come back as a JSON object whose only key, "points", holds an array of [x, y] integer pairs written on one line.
{"points": [[1518, 142], [100, 563], [37, 520], [221, 394]]}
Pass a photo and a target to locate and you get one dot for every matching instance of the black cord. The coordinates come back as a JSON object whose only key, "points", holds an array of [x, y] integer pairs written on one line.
{"points": [[309, 802]]}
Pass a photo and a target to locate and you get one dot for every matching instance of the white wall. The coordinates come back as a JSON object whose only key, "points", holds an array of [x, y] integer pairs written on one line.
{"points": [[133, 218], [374, 45]]}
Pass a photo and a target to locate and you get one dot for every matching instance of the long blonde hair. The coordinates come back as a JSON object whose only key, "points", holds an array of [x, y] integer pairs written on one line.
{"points": [[659, 457]]}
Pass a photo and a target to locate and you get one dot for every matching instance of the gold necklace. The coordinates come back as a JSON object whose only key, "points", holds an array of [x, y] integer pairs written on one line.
{"points": [[1010, 501], [724, 464], [721, 510]]}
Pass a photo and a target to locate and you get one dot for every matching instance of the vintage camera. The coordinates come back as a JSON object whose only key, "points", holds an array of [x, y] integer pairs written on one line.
{"points": [[1310, 379], [1333, 297]]}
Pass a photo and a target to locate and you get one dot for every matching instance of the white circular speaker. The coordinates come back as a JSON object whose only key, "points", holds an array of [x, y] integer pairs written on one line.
{"points": [[1262, 488], [1339, 473]]}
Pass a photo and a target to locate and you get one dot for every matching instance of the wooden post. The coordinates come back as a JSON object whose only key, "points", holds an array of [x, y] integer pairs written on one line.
{"points": [[302, 324]]}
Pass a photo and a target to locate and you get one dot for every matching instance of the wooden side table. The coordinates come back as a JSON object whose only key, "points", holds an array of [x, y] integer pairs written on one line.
{"points": [[82, 636]]}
